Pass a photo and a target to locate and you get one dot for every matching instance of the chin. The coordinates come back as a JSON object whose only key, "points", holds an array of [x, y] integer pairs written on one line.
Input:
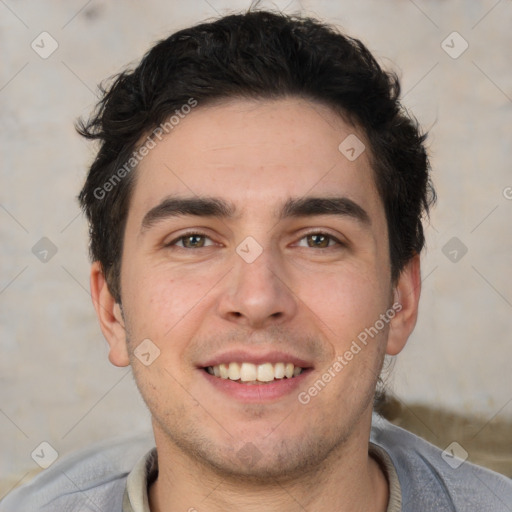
{"points": [[265, 460]]}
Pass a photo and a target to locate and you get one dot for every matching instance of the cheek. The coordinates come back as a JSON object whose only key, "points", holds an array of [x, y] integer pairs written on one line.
{"points": [[346, 303], [163, 302]]}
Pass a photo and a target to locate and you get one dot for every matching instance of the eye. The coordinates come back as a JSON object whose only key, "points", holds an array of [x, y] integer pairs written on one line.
{"points": [[319, 240], [192, 240]]}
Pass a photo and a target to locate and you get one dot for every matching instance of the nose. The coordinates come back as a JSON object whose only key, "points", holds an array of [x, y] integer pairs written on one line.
{"points": [[257, 294]]}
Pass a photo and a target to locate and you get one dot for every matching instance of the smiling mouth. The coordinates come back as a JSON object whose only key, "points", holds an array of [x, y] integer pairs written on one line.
{"points": [[249, 373]]}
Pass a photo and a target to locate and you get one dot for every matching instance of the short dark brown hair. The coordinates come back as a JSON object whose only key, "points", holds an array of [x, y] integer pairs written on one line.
{"points": [[257, 55]]}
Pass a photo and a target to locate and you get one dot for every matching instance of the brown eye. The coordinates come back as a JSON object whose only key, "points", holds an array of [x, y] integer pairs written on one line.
{"points": [[191, 241], [321, 241]]}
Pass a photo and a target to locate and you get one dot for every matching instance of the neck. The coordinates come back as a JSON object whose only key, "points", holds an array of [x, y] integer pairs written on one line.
{"points": [[350, 478]]}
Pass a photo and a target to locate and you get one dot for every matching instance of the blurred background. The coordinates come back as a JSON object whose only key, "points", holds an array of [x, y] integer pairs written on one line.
{"points": [[453, 382]]}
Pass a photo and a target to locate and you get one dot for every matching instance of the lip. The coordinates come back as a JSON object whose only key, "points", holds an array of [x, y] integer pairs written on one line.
{"points": [[245, 356], [256, 393]]}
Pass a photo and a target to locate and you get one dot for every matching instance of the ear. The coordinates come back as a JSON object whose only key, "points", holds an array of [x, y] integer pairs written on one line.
{"points": [[110, 317], [406, 299]]}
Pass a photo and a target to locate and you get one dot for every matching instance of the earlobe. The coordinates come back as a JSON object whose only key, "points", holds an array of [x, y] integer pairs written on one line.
{"points": [[406, 297], [110, 317]]}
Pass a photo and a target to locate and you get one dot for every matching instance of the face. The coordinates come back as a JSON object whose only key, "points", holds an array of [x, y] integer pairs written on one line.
{"points": [[255, 250]]}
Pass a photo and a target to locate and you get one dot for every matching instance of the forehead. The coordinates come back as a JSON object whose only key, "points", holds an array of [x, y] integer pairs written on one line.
{"points": [[257, 155]]}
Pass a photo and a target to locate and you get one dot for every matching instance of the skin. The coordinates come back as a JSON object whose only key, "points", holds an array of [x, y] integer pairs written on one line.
{"points": [[194, 302]]}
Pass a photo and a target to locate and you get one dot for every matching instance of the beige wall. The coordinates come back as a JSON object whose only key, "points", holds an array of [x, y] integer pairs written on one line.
{"points": [[56, 382]]}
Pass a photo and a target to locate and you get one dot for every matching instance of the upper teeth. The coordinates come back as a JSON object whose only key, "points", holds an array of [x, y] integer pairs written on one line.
{"points": [[248, 372]]}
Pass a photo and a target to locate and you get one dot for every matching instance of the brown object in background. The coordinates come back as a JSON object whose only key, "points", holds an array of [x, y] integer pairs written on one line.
{"points": [[487, 441]]}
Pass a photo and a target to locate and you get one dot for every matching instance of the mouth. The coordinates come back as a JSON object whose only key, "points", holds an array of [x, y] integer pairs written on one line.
{"points": [[251, 374]]}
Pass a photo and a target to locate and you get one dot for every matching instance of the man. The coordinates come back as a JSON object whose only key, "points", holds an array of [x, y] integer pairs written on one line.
{"points": [[256, 215]]}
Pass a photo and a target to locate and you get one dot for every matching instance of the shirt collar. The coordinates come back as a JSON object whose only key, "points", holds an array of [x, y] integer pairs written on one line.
{"points": [[143, 474]]}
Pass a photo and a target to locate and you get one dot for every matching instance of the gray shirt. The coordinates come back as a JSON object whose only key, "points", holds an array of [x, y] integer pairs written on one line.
{"points": [[114, 477]]}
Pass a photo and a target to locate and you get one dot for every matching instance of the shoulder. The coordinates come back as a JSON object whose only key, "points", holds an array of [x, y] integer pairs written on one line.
{"points": [[431, 479], [90, 479]]}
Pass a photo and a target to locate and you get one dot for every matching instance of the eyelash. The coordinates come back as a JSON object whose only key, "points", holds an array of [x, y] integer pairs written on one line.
{"points": [[199, 233]]}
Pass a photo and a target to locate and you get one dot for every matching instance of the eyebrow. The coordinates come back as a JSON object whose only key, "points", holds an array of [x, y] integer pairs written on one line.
{"points": [[337, 206], [217, 207], [182, 206]]}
